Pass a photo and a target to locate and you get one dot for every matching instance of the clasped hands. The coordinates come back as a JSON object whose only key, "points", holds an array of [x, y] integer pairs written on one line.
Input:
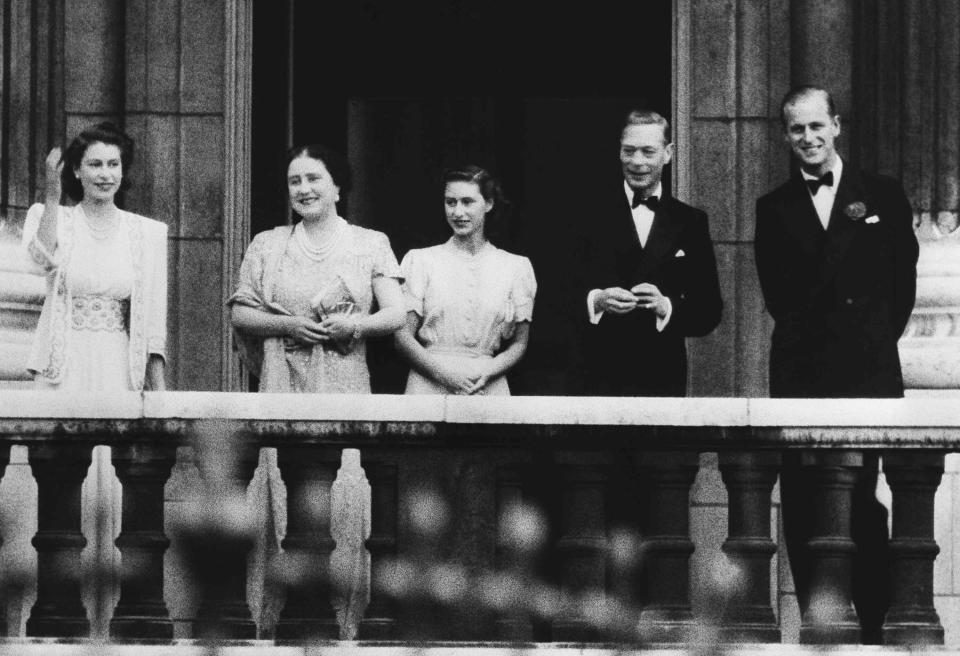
{"points": [[458, 382], [645, 296], [305, 331]]}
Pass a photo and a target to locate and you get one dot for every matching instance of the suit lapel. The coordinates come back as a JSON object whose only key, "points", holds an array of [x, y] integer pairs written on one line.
{"points": [[842, 229], [663, 236], [804, 221]]}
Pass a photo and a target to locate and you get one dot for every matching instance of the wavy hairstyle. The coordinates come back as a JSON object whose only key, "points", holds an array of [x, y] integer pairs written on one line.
{"points": [[489, 188], [106, 133]]}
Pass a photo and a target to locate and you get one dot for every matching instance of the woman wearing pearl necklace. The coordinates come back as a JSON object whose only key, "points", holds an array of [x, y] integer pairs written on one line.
{"points": [[103, 327]]}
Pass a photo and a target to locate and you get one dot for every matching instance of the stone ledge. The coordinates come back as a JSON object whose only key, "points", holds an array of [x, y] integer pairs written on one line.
{"points": [[46, 647], [676, 413]]}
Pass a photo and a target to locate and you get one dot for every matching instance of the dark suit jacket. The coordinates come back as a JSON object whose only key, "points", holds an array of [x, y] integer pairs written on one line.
{"points": [[625, 354], [840, 297]]}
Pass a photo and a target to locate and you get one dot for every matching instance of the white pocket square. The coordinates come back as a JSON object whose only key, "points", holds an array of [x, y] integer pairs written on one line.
{"points": [[680, 253], [872, 219]]}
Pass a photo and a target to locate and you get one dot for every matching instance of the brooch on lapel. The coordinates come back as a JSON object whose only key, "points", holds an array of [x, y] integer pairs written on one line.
{"points": [[855, 211]]}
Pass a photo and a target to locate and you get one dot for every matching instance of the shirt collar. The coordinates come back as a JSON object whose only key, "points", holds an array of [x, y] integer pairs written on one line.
{"points": [[657, 191], [837, 170]]}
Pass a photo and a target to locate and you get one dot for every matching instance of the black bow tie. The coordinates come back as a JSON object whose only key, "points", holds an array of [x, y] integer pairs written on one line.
{"points": [[825, 180], [649, 201]]}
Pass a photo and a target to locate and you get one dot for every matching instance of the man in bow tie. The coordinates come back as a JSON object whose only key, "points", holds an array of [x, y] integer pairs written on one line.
{"points": [[651, 273], [836, 256]]}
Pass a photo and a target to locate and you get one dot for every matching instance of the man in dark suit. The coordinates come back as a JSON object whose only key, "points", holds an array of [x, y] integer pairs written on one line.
{"points": [[652, 276], [836, 255]]}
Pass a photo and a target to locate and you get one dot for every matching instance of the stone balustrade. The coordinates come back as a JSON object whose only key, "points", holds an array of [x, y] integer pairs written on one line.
{"points": [[609, 480]]}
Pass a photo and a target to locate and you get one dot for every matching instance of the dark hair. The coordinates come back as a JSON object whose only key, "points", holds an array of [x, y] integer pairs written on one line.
{"points": [[805, 91], [647, 117], [487, 184], [106, 133], [335, 163]]}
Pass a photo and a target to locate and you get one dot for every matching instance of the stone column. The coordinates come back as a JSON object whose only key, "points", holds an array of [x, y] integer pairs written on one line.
{"points": [[581, 547], [4, 461], [380, 621], [667, 615], [308, 473], [513, 557], [822, 53], [930, 347], [59, 469], [218, 541], [829, 617], [143, 470], [749, 478], [913, 478]]}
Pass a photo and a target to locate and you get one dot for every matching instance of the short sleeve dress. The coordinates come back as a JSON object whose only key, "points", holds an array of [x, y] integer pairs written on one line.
{"points": [[469, 304], [281, 273]]}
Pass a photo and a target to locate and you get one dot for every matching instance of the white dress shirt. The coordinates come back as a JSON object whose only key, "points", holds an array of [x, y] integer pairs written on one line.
{"points": [[823, 199], [642, 221]]}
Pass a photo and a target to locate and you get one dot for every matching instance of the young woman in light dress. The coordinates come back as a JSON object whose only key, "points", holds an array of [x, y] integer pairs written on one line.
{"points": [[103, 325], [104, 320], [469, 304]]}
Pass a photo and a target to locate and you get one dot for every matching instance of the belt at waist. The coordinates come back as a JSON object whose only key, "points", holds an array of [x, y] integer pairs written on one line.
{"points": [[100, 313], [458, 350]]}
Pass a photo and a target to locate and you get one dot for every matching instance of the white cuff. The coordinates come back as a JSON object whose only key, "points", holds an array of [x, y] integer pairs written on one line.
{"points": [[665, 319], [593, 314]]}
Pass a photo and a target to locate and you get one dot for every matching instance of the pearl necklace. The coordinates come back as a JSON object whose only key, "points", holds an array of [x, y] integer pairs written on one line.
{"points": [[326, 247], [103, 230]]}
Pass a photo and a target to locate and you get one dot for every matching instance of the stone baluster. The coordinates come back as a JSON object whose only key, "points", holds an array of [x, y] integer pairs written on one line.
{"points": [[59, 469], [829, 616], [143, 470], [380, 620], [308, 473], [749, 478], [665, 570], [218, 545], [4, 461], [913, 478], [582, 544], [512, 558]]}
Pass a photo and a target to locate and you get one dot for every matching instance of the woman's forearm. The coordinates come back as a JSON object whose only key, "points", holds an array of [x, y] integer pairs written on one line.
{"points": [[391, 315], [260, 323], [381, 322], [510, 356], [413, 352], [47, 229]]}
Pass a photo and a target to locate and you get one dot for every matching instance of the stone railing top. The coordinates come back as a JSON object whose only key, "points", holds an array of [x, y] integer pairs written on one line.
{"points": [[541, 410], [766, 422]]}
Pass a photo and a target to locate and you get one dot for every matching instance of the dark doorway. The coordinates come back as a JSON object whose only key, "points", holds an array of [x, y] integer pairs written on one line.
{"points": [[533, 91]]}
